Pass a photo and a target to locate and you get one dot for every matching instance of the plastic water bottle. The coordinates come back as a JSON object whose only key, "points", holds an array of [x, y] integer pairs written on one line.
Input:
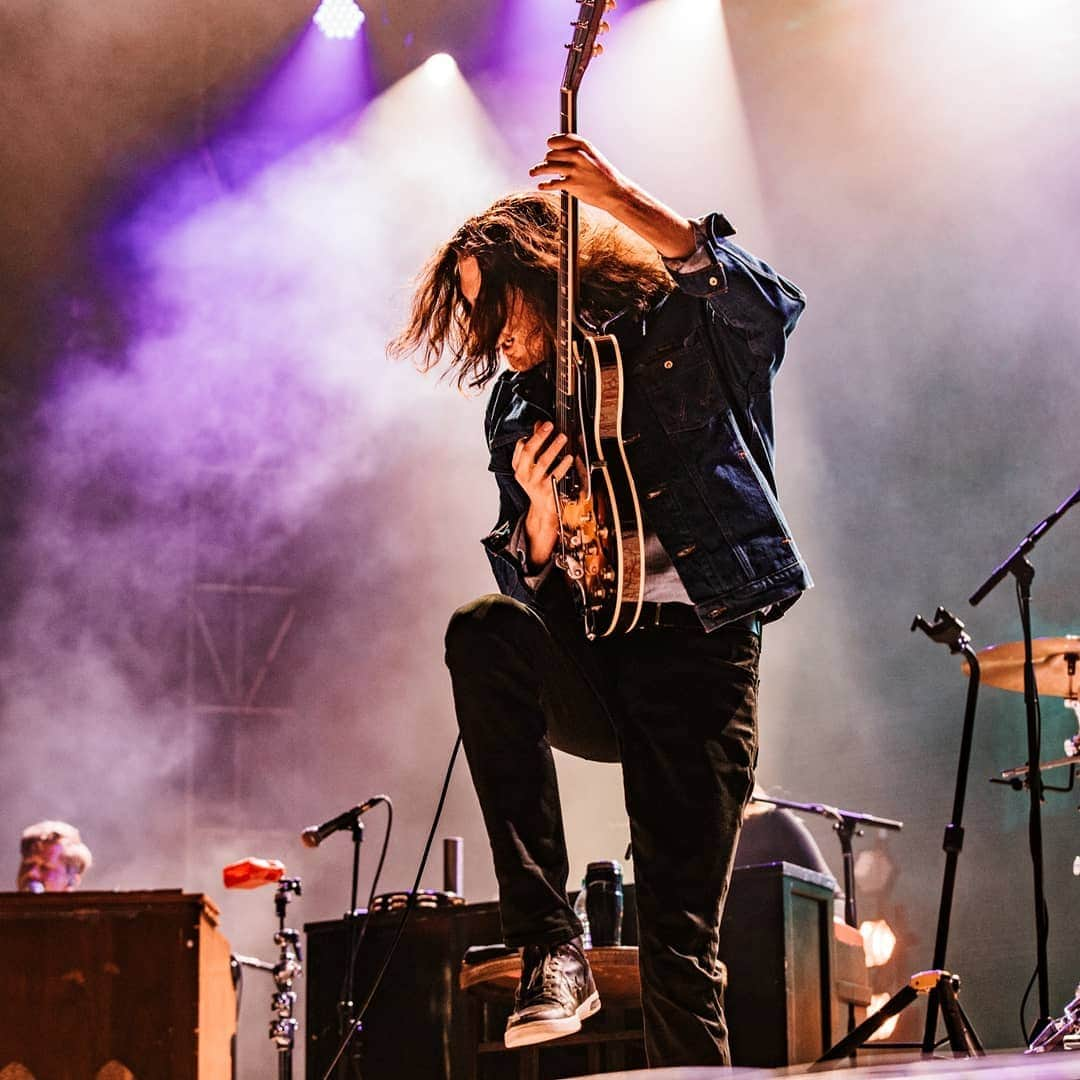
{"points": [[581, 912]]}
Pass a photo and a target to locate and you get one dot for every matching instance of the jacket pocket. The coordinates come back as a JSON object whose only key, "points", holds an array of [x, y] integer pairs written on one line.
{"points": [[681, 385]]}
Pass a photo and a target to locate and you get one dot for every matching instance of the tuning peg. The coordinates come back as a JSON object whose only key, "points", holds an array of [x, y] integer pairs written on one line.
{"points": [[597, 49], [610, 5], [604, 28]]}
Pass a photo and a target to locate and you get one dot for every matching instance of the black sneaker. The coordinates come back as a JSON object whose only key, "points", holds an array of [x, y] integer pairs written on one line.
{"points": [[555, 994]]}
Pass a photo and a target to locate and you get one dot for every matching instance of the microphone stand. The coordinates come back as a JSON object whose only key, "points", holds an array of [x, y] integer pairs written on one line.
{"points": [[847, 824], [1018, 565], [347, 1021], [949, 630], [941, 985]]}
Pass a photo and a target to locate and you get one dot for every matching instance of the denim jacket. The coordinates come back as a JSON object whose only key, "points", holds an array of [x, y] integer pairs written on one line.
{"points": [[698, 432]]}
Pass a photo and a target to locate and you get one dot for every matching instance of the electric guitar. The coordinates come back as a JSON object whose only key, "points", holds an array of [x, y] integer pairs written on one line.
{"points": [[601, 540]]}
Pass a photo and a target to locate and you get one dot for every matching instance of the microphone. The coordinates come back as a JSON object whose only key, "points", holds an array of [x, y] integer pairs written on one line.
{"points": [[314, 835], [35, 887]]}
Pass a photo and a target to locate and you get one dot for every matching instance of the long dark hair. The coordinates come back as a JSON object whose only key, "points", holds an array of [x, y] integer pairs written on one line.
{"points": [[516, 243]]}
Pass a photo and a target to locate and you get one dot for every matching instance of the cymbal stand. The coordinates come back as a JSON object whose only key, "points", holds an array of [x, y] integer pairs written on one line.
{"points": [[1018, 565], [283, 1024], [941, 985]]}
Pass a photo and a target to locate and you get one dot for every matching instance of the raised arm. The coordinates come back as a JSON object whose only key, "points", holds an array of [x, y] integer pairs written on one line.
{"points": [[747, 294], [581, 170]]}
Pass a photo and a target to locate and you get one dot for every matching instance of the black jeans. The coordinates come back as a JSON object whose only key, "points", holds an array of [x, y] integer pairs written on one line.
{"points": [[678, 708]]}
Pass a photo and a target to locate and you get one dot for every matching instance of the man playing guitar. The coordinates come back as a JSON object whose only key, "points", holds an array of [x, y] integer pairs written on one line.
{"points": [[701, 327]]}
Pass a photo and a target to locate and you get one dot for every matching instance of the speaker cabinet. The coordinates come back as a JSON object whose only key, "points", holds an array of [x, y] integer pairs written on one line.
{"points": [[777, 942], [417, 1024], [109, 985]]}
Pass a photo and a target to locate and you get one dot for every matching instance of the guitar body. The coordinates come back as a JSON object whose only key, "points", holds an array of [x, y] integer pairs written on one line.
{"points": [[603, 534]]}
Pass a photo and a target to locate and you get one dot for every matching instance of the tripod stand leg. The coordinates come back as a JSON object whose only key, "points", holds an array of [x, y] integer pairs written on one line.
{"points": [[930, 1031], [895, 1005], [962, 1037]]}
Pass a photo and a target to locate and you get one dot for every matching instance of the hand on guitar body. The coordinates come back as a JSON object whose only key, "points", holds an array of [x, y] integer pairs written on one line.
{"points": [[536, 462], [579, 169]]}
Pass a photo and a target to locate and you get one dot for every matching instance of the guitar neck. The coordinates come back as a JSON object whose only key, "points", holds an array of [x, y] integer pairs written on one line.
{"points": [[566, 310]]}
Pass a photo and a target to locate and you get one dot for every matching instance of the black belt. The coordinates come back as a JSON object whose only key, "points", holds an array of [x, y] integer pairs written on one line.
{"points": [[674, 616]]}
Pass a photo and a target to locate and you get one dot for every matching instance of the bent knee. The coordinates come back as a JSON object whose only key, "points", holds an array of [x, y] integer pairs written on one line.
{"points": [[491, 617]]}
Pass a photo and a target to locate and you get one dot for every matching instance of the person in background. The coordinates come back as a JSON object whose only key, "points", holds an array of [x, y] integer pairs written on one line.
{"points": [[53, 858], [773, 834]]}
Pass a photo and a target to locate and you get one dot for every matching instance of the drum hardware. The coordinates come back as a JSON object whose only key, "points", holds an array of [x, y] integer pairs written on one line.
{"points": [[1017, 564], [289, 967], [1060, 1034], [942, 986], [1016, 777], [1056, 662], [253, 873], [1054, 659], [1056, 676]]}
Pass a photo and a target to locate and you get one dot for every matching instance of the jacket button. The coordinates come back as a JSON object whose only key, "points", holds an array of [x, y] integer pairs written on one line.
{"points": [[714, 281], [669, 364]]}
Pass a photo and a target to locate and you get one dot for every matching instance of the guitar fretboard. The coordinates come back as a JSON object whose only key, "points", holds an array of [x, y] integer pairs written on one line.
{"points": [[566, 313]]}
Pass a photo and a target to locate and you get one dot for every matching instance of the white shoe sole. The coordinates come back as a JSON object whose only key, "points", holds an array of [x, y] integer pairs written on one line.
{"points": [[538, 1031]]}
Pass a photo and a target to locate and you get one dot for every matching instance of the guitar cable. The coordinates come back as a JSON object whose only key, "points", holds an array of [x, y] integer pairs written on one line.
{"points": [[404, 915]]}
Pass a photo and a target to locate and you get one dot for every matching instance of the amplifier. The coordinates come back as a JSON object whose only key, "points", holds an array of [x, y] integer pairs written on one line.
{"points": [[417, 1025]]}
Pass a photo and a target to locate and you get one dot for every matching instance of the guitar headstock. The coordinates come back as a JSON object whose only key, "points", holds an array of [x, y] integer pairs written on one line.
{"points": [[588, 26]]}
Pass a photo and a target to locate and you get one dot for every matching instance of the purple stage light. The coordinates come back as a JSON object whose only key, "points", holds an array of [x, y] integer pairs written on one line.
{"points": [[339, 18], [440, 68]]}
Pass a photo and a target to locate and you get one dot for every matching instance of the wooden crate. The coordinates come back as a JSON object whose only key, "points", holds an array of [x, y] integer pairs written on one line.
{"points": [[100, 982]]}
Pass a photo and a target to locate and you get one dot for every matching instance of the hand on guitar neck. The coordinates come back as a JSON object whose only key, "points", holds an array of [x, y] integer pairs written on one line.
{"points": [[536, 463], [580, 169]]}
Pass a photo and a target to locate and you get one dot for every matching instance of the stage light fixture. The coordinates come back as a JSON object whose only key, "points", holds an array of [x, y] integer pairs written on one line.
{"points": [[879, 942], [440, 68], [339, 19]]}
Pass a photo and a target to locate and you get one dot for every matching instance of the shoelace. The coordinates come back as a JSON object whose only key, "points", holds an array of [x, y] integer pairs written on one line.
{"points": [[552, 981]]}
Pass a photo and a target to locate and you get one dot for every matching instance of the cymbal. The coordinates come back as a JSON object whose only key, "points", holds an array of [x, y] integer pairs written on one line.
{"points": [[1057, 665]]}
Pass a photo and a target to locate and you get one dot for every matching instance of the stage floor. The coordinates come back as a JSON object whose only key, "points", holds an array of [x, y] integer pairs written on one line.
{"points": [[1005, 1065]]}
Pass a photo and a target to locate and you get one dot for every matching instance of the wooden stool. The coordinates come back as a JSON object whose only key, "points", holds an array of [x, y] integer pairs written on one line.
{"points": [[605, 1036]]}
